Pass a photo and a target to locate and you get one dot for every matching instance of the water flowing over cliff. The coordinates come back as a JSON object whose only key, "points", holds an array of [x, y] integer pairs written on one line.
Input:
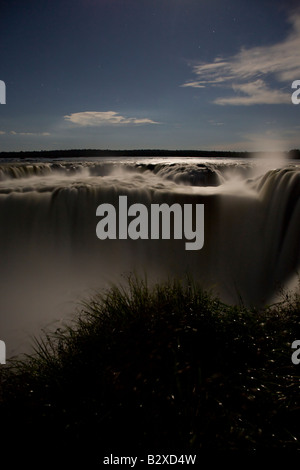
{"points": [[51, 256]]}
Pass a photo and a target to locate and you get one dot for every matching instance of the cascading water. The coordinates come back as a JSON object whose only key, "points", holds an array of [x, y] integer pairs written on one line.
{"points": [[51, 257]]}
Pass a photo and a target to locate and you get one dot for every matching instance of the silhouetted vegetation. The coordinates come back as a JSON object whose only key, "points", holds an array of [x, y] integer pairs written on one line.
{"points": [[294, 153], [166, 369], [122, 153], [78, 153]]}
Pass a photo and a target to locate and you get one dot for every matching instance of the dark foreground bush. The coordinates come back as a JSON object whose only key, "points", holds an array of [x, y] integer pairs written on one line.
{"points": [[167, 369]]}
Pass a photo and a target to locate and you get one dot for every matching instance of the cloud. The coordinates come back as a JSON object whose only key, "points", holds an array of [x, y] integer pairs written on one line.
{"points": [[215, 123], [30, 133], [100, 118], [194, 84], [250, 71], [256, 92]]}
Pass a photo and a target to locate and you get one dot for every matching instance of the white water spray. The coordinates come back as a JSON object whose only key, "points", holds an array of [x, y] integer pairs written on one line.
{"points": [[51, 257]]}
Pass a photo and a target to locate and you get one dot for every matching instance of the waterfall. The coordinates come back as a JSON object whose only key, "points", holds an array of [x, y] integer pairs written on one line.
{"points": [[51, 257]]}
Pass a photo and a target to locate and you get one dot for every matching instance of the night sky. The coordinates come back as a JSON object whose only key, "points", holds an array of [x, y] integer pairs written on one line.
{"points": [[169, 74]]}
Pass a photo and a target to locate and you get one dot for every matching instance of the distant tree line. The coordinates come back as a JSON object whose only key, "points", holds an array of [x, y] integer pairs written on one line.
{"points": [[295, 153], [121, 153]]}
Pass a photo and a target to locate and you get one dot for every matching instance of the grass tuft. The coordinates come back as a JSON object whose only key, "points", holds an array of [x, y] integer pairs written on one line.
{"points": [[148, 369]]}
